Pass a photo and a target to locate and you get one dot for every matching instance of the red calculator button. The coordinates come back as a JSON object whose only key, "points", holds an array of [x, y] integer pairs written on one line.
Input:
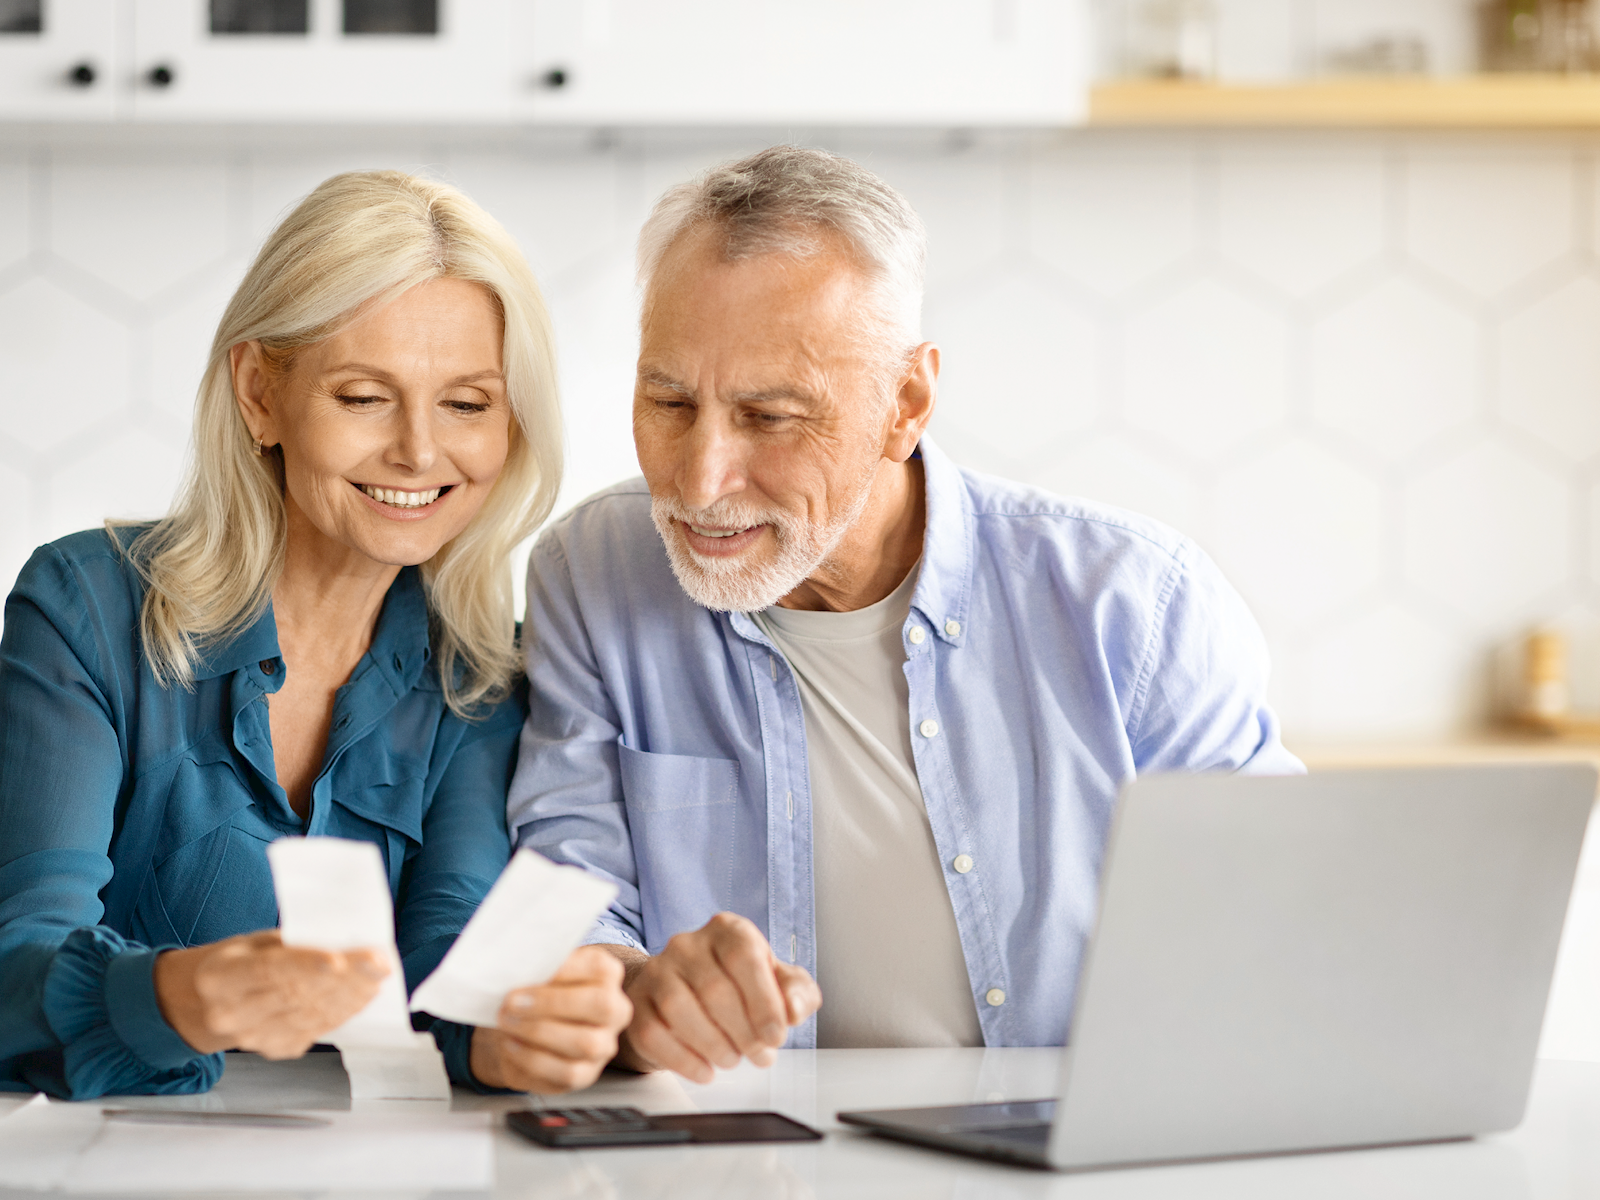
{"points": [[554, 1121]]}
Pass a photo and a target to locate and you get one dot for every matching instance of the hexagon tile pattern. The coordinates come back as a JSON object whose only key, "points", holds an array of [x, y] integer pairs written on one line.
{"points": [[1360, 371]]}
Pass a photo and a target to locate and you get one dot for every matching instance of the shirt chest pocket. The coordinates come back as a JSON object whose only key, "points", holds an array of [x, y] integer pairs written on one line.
{"points": [[684, 818]]}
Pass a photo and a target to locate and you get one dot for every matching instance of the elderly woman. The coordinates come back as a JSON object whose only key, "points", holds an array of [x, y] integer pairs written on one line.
{"points": [[319, 639]]}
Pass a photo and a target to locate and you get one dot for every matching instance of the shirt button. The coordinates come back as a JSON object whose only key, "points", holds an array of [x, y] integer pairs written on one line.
{"points": [[962, 863], [916, 635], [995, 997], [267, 666], [929, 729], [953, 628]]}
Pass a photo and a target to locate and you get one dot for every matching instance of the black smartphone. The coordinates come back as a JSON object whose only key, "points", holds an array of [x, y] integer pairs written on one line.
{"points": [[573, 1128]]}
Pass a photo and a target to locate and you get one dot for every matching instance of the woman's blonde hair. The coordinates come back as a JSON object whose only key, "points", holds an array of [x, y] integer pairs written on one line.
{"points": [[360, 238]]}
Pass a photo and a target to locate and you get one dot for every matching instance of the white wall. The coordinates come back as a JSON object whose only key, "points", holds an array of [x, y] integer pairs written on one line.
{"points": [[1363, 370]]}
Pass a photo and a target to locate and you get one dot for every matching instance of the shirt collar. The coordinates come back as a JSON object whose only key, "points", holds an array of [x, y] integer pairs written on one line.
{"points": [[399, 642], [944, 586]]}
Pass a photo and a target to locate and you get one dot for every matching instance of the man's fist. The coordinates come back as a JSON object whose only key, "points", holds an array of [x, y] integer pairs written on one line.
{"points": [[710, 998]]}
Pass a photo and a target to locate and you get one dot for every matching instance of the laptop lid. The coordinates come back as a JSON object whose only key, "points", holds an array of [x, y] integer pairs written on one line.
{"points": [[1338, 959]]}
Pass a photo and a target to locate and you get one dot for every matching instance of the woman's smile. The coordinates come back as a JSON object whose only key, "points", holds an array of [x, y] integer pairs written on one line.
{"points": [[403, 503]]}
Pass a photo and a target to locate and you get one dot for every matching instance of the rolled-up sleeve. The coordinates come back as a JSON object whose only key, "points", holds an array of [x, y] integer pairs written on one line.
{"points": [[78, 1013], [1201, 698]]}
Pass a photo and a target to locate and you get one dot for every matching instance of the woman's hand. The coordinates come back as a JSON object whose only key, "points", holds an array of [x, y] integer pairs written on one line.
{"points": [[560, 1035], [252, 992]]}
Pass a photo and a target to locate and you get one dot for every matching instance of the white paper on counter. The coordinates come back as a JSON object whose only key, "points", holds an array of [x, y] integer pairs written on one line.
{"points": [[533, 917], [333, 895], [41, 1140], [364, 1152]]}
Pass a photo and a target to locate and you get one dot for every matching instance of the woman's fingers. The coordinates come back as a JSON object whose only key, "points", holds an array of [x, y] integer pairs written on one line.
{"points": [[259, 994], [528, 1068]]}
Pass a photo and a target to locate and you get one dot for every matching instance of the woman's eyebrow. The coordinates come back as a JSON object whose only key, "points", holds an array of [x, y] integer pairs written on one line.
{"points": [[387, 377]]}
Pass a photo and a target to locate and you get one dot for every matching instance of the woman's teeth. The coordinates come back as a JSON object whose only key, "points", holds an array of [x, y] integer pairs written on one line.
{"points": [[402, 499], [715, 533]]}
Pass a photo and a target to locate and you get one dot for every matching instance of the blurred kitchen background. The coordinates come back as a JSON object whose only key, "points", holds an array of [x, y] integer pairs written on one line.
{"points": [[1315, 281], [1349, 344]]}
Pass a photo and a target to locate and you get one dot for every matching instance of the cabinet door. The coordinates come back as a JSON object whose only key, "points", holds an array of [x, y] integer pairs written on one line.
{"points": [[58, 60], [321, 60], [731, 62]]}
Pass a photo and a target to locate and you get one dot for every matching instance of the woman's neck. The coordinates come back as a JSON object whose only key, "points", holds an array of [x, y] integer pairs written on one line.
{"points": [[326, 601]]}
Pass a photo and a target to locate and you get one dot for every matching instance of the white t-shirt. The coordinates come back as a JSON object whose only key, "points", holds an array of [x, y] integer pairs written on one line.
{"points": [[889, 958]]}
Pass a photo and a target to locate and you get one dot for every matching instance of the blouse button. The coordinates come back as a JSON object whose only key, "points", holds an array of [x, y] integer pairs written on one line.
{"points": [[928, 729], [916, 635], [994, 997], [268, 666]]}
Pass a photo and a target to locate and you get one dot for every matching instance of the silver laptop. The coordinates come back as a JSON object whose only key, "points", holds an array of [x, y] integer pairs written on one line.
{"points": [[1351, 958]]}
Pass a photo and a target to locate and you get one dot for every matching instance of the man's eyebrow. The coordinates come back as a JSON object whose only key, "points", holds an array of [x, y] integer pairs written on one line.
{"points": [[662, 380], [768, 395]]}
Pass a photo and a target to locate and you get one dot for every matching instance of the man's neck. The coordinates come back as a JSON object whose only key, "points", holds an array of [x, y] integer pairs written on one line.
{"points": [[878, 552]]}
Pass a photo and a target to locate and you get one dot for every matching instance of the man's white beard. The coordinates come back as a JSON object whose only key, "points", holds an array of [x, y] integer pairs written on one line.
{"points": [[732, 584]]}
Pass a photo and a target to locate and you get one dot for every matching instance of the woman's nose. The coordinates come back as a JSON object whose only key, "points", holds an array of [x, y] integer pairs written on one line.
{"points": [[413, 446]]}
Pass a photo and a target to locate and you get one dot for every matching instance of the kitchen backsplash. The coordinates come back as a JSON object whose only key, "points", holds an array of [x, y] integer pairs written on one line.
{"points": [[1363, 370]]}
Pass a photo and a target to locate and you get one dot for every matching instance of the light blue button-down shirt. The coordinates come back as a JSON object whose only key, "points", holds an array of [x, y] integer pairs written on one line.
{"points": [[1055, 649]]}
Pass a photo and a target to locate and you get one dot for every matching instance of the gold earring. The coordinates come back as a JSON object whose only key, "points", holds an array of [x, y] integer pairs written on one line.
{"points": [[260, 449]]}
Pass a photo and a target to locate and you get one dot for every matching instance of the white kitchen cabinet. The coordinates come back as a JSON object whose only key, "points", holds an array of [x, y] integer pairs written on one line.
{"points": [[59, 60], [321, 60], [850, 62]]}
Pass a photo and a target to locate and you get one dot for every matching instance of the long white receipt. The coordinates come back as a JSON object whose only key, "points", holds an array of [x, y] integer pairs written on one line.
{"points": [[332, 894], [532, 918]]}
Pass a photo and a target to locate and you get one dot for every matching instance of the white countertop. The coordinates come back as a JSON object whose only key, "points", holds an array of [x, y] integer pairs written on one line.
{"points": [[1554, 1154]]}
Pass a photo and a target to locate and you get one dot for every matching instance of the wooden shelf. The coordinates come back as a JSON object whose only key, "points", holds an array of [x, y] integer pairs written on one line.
{"points": [[1488, 101]]}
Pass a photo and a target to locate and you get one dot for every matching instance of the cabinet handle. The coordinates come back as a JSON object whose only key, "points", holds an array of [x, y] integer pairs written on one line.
{"points": [[81, 75], [554, 78], [161, 76]]}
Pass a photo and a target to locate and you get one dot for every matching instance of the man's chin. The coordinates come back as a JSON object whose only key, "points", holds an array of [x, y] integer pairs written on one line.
{"points": [[724, 583]]}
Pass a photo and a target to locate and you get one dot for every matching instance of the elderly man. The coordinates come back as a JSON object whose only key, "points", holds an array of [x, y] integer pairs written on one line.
{"points": [[823, 705]]}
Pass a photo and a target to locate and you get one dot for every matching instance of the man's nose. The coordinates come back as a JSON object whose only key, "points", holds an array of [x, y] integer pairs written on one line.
{"points": [[712, 466]]}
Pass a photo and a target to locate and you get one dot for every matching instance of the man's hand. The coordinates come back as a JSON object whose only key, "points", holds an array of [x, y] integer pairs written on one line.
{"points": [[559, 1035], [710, 998], [252, 992]]}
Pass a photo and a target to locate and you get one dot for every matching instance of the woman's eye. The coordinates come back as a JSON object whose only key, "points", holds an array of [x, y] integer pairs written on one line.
{"points": [[468, 406], [357, 401]]}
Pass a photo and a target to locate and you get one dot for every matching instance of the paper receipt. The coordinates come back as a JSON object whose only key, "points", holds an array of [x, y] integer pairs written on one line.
{"points": [[533, 917]]}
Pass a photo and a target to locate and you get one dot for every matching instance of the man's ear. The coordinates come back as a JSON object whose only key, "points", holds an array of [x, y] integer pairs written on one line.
{"points": [[914, 402], [252, 389]]}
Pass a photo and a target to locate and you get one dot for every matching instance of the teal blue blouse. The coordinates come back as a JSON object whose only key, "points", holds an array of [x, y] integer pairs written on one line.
{"points": [[135, 817]]}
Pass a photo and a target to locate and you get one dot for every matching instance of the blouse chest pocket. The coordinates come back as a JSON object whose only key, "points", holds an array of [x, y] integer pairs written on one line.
{"points": [[683, 816], [200, 799]]}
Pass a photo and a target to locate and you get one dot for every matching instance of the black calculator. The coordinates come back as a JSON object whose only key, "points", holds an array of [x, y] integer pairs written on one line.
{"points": [[575, 1128]]}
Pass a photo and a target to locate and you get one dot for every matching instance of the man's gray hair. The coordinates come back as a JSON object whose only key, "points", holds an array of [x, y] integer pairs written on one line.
{"points": [[779, 200]]}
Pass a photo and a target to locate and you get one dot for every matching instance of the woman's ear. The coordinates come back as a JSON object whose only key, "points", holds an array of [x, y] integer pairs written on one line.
{"points": [[252, 388]]}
